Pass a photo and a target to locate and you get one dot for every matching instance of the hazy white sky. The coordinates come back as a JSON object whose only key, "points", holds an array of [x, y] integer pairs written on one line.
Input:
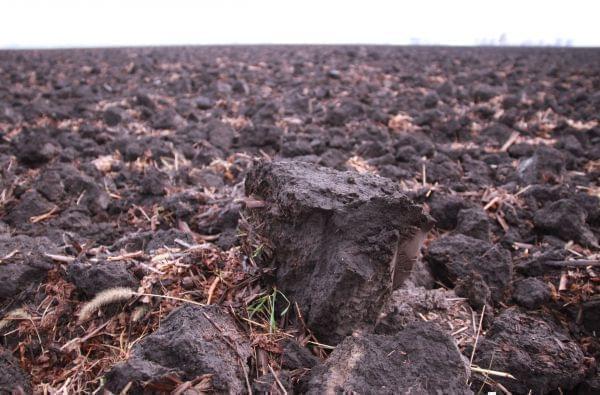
{"points": [[68, 23]]}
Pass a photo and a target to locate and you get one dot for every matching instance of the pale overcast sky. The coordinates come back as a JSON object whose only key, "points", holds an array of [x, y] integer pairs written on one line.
{"points": [[76, 23]]}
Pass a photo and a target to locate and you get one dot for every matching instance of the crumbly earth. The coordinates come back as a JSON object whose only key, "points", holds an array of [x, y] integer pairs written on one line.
{"points": [[126, 167], [341, 241], [193, 340], [519, 343], [418, 359]]}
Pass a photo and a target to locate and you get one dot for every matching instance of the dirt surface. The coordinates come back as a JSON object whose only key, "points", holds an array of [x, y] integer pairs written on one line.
{"points": [[341, 241], [418, 359], [159, 171], [191, 342]]}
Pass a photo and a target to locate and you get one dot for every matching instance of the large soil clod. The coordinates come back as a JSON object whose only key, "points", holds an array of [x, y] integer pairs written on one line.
{"points": [[342, 241], [24, 264], [534, 350], [565, 218], [91, 278], [420, 359], [456, 256], [192, 341], [416, 304]]}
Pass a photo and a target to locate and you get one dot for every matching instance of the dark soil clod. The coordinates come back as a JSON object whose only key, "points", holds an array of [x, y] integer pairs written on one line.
{"points": [[566, 219], [91, 278], [191, 341], [13, 380], [541, 356], [457, 256], [531, 293], [420, 359], [342, 241]]}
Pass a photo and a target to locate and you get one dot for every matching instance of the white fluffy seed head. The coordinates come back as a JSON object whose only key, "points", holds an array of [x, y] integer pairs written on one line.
{"points": [[16, 314], [106, 297], [139, 313]]}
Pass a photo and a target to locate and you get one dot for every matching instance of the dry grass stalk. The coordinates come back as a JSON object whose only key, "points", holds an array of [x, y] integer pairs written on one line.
{"points": [[511, 140], [135, 254], [477, 335], [502, 221], [252, 202], [9, 255], [493, 372], [491, 203], [283, 390], [591, 272], [60, 258], [212, 288], [42, 217], [563, 285]]}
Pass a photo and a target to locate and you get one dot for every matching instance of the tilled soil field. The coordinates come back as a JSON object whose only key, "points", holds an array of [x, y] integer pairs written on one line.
{"points": [[300, 220]]}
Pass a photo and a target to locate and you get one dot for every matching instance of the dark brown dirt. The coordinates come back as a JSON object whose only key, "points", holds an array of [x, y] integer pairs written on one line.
{"points": [[192, 341], [342, 241], [12, 377], [418, 359], [127, 167], [519, 343]]}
